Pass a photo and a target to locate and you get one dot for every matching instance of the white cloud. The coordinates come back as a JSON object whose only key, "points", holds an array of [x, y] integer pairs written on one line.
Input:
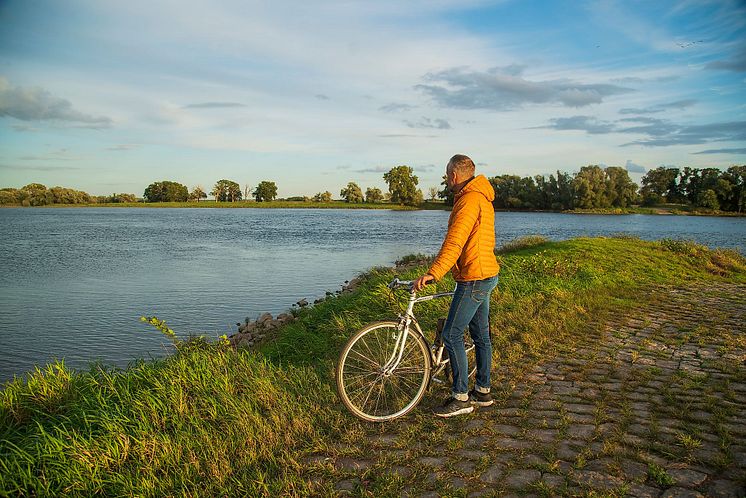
{"points": [[37, 104]]}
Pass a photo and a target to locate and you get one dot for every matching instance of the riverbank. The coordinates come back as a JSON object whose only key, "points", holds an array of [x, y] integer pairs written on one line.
{"points": [[212, 420], [677, 209]]}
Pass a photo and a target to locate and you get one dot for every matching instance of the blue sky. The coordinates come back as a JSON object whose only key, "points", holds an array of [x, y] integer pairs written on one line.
{"points": [[109, 96]]}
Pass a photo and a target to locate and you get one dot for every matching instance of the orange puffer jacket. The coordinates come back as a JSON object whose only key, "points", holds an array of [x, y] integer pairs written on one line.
{"points": [[469, 246]]}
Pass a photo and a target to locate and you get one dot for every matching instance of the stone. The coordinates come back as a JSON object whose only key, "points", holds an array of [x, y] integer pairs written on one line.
{"points": [[493, 474], [596, 480], [352, 464], [553, 481], [543, 435], [432, 461], [565, 451], [634, 470], [581, 431], [264, 317], [285, 317], [676, 492], [721, 488], [401, 471], [522, 478], [643, 491], [687, 478], [347, 486], [508, 430], [465, 466], [513, 444], [471, 454]]}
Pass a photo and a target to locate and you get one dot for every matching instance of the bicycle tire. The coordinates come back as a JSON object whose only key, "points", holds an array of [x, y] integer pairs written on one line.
{"points": [[365, 390]]}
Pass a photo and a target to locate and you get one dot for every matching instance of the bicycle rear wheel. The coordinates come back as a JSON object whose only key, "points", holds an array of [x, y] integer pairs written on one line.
{"points": [[366, 389]]}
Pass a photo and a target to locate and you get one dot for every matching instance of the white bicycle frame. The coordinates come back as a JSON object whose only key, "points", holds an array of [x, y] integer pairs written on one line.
{"points": [[408, 319]]}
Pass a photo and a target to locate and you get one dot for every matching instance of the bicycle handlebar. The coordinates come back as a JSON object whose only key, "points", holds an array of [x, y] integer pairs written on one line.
{"points": [[396, 283]]}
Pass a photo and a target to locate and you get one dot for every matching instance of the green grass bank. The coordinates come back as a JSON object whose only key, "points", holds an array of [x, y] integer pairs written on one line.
{"points": [[213, 421]]}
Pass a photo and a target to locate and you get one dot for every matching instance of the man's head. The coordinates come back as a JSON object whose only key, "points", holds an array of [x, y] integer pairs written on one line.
{"points": [[459, 169]]}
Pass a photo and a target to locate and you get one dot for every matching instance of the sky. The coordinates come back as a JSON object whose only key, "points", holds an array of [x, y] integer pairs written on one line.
{"points": [[109, 96]]}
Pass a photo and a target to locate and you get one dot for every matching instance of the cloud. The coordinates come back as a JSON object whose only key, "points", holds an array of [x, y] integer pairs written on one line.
{"points": [[635, 80], [634, 168], [121, 147], [679, 104], [55, 155], [321, 96], [375, 169], [395, 107], [37, 104], [663, 134], [438, 124], [721, 151], [655, 132], [588, 124], [214, 105], [736, 64], [24, 127], [504, 89], [39, 168], [425, 168], [405, 135]]}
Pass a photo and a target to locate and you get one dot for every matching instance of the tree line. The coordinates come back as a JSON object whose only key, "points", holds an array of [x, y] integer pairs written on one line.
{"points": [[593, 187], [36, 194]]}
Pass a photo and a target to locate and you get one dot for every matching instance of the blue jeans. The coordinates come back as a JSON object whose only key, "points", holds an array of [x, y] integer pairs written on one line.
{"points": [[470, 308]]}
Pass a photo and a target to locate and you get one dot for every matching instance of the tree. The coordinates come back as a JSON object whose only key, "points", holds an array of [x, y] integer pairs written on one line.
{"points": [[197, 194], [620, 190], [736, 176], [166, 191], [433, 191], [446, 194], [9, 196], [659, 185], [352, 193], [323, 197], [589, 186], [226, 191], [403, 186], [373, 195], [708, 199], [36, 194], [265, 191]]}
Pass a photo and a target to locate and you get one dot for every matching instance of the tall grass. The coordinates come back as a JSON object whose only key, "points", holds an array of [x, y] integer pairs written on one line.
{"points": [[212, 421]]}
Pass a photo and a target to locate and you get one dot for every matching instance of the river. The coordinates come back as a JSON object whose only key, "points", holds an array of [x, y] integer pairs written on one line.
{"points": [[74, 282]]}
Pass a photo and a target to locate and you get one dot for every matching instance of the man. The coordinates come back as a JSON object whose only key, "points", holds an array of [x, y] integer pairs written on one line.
{"points": [[469, 251]]}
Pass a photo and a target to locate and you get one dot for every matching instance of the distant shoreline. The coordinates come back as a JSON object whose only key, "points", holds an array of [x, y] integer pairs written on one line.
{"points": [[664, 210]]}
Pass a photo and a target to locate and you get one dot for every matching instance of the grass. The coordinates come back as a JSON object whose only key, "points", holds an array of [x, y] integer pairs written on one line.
{"points": [[210, 420]]}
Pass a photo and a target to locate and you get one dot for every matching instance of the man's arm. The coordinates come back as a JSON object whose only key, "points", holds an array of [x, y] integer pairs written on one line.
{"points": [[465, 215]]}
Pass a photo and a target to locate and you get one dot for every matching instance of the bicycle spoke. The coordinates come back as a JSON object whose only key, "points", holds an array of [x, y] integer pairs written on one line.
{"points": [[367, 390]]}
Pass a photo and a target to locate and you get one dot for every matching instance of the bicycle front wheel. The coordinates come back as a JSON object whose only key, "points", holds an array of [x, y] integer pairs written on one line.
{"points": [[366, 388]]}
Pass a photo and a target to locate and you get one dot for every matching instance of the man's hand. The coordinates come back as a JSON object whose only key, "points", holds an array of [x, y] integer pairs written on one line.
{"points": [[421, 282]]}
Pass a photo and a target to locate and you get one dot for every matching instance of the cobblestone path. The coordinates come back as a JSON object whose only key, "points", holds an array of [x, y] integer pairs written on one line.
{"points": [[649, 405]]}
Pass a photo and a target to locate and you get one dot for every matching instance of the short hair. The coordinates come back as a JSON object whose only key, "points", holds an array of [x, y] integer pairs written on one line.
{"points": [[461, 164]]}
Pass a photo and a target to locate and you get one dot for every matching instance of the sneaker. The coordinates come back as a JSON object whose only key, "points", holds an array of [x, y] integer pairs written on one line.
{"points": [[480, 399], [452, 407]]}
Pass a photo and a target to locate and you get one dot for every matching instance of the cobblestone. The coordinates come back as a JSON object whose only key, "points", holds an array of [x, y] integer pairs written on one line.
{"points": [[653, 405]]}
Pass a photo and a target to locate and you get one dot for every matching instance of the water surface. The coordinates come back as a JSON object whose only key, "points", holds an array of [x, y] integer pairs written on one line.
{"points": [[74, 282]]}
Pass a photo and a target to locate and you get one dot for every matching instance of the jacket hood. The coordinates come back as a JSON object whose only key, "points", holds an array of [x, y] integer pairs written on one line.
{"points": [[479, 184]]}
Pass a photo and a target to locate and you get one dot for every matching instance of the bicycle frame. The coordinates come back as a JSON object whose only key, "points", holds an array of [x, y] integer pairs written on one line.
{"points": [[405, 321]]}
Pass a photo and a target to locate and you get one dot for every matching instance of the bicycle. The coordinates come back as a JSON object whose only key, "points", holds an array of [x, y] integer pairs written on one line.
{"points": [[386, 367]]}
